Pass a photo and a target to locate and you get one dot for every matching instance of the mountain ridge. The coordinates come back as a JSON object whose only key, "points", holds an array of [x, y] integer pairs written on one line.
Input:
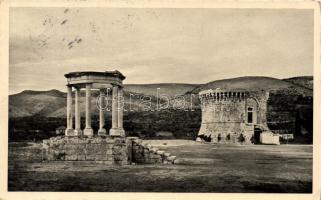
{"points": [[52, 103]]}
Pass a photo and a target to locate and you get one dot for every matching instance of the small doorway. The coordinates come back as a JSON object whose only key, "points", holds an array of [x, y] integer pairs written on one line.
{"points": [[250, 115], [257, 134]]}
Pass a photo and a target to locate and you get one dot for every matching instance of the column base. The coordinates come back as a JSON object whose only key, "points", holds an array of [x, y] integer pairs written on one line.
{"points": [[69, 132], [117, 132], [78, 132], [102, 132], [89, 132]]}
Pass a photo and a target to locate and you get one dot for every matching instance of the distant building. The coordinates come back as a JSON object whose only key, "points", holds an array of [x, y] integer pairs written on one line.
{"points": [[60, 130], [235, 117], [165, 134]]}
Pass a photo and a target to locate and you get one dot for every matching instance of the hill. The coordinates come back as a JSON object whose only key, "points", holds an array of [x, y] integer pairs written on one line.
{"points": [[29, 103], [251, 83], [289, 108], [52, 103], [168, 89], [303, 81]]}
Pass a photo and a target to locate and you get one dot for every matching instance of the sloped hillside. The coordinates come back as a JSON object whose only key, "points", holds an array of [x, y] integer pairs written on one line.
{"points": [[168, 89], [303, 81], [251, 83], [29, 103]]}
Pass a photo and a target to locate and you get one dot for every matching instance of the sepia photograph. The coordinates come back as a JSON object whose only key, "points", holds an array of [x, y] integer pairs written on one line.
{"points": [[160, 99]]}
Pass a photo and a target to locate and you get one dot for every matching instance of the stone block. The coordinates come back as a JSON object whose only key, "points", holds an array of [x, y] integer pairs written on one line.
{"points": [[81, 157], [100, 157], [120, 162], [82, 141], [138, 141], [167, 154], [120, 141], [98, 140], [106, 162], [90, 157], [110, 141], [269, 138], [171, 158], [92, 148], [109, 151], [71, 149], [81, 149], [154, 150], [160, 152], [109, 157], [71, 157], [178, 161]]}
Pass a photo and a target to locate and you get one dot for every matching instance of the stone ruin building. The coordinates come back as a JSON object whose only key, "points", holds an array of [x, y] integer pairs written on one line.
{"points": [[105, 147], [236, 116]]}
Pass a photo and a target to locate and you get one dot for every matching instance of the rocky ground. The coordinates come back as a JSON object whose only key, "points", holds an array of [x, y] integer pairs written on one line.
{"points": [[202, 168]]}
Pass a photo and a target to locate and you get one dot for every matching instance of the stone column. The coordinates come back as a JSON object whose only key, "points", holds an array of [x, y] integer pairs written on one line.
{"points": [[114, 131], [121, 105], [78, 131], [114, 108], [102, 130], [69, 130], [88, 130]]}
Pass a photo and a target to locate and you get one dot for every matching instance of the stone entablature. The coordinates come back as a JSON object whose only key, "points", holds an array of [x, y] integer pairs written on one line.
{"points": [[107, 77], [233, 116]]}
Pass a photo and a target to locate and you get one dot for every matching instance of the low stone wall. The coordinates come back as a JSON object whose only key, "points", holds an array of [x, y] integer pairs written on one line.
{"points": [[105, 150], [144, 153]]}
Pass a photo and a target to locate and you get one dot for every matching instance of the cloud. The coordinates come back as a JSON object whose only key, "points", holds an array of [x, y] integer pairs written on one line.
{"points": [[157, 45]]}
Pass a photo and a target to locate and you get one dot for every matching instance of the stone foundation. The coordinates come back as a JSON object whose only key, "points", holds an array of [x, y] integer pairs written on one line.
{"points": [[105, 150]]}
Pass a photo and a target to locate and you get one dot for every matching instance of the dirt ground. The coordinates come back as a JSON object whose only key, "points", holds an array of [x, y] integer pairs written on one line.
{"points": [[203, 168]]}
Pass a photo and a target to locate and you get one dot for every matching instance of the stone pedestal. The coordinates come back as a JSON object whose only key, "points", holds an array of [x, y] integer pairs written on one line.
{"points": [[70, 132], [89, 132], [102, 132], [117, 132], [110, 151]]}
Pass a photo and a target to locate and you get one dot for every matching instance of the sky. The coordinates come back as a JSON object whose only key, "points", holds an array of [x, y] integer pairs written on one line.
{"points": [[162, 45]]}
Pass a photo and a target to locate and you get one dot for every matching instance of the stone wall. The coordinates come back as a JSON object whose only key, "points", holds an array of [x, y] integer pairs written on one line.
{"points": [[105, 150]]}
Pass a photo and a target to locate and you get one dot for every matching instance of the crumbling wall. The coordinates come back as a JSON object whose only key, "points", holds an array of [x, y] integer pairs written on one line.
{"points": [[144, 153]]}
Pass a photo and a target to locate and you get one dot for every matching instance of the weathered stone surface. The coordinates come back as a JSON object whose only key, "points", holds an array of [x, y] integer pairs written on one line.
{"points": [[225, 113], [167, 154], [118, 151], [269, 138], [159, 152]]}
